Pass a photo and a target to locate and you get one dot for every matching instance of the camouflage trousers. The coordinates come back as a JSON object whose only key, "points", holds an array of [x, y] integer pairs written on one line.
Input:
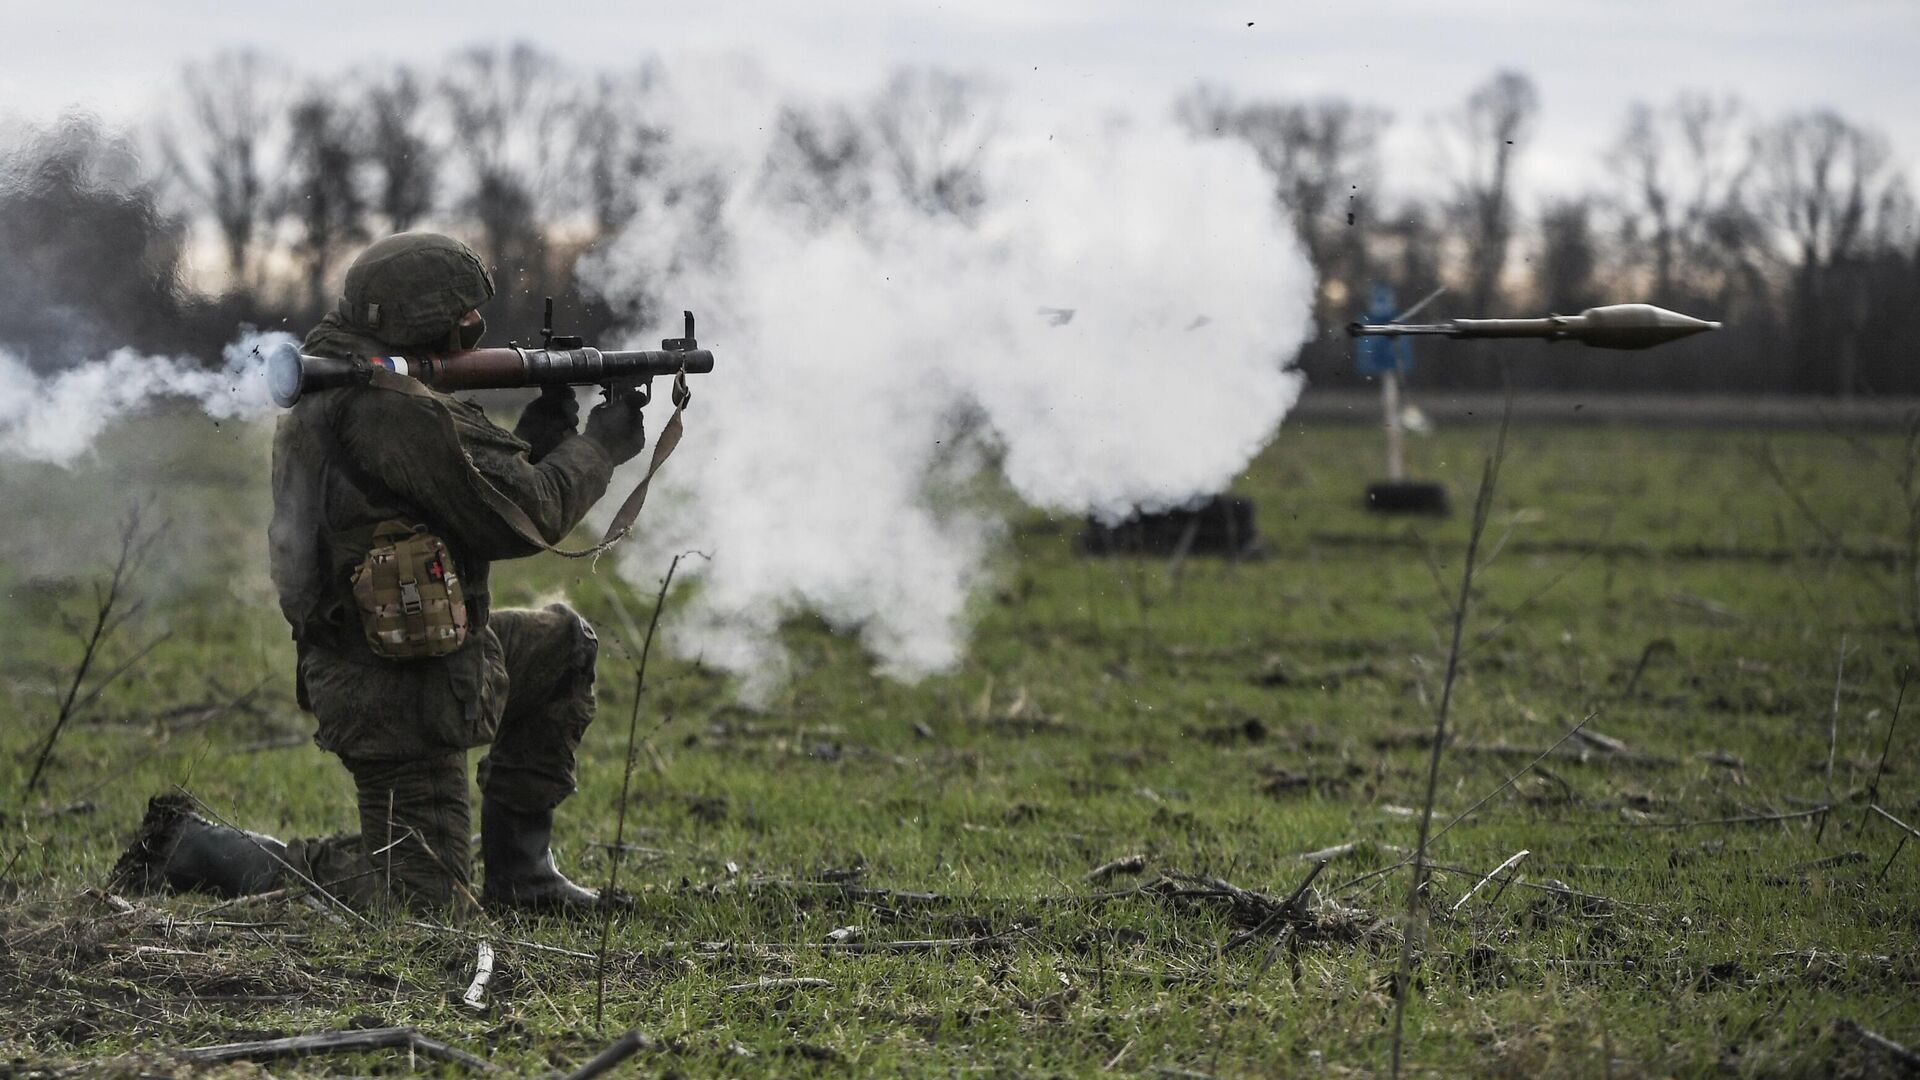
{"points": [[403, 732]]}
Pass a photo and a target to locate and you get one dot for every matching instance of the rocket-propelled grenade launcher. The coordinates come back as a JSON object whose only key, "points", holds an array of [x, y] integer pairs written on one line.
{"points": [[1616, 326], [558, 361]]}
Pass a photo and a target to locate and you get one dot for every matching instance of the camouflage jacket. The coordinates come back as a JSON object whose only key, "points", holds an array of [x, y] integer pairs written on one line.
{"points": [[346, 460]]}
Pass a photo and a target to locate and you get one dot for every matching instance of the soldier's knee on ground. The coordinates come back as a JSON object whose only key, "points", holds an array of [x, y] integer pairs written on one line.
{"points": [[415, 828]]}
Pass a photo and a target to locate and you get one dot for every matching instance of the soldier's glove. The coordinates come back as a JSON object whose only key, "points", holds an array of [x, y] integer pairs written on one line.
{"points": [[548, 420], [617, 426]]}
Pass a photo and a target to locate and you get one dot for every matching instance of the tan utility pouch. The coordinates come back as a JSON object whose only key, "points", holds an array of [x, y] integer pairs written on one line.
{"points": [[409, 597]]}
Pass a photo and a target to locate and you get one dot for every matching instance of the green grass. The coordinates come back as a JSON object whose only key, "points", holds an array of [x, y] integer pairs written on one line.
{"points": [[1221, 724]]}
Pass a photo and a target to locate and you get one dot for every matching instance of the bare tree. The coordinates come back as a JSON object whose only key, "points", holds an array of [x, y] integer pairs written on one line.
{"points": [[931, 128], [404, 161], [323, 198], [818, 162], [620, 149], [1569, 256], [1682, 174], [225, 145], [1418, 240], [1320, 154], [1492, 130], [509, 110], [1822, 179], [1828, 197]]}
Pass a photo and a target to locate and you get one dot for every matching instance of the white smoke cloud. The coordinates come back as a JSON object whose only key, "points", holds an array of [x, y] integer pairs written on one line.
{"points": [[868, 369], [56, 418]]}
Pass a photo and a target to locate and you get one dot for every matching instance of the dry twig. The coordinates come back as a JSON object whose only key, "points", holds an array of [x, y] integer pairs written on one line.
{"points": [[1291, 909], [1482, 506], [108, 616], [1511, 780], [913, 945], [1833, 735], [1147, 973], [336, 1042], [626, 784], [1126, 864], [1836, 544], [1744, 819], [622, 1048], [795, 983], [1908, 829], [1907, 1058], [1511, 860], [1873, 789], [1901, 846]]}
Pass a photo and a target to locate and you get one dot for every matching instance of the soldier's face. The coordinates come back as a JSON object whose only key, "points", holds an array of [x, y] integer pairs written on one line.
{"points": [[470, 328]]}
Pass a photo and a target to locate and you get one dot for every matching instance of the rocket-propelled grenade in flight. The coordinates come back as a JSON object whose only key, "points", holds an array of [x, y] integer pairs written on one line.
{"points": [[1616, 326]]}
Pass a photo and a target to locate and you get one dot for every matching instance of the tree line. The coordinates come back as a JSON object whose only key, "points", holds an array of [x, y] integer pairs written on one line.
{"points": [[1797, 230]]}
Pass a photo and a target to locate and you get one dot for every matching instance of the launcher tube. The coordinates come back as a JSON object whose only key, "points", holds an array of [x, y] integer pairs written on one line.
{"points": [[291, 373]]}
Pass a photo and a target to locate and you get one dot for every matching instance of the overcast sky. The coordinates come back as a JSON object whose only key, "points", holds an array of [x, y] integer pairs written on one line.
{"points": [[1590, 58]]}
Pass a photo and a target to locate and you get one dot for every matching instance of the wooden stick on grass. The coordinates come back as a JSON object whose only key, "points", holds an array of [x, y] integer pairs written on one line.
{"points": [[476, 996]]}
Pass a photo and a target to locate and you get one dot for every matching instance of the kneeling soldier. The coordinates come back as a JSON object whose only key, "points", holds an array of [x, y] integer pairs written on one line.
{"points": [[381, 540]]}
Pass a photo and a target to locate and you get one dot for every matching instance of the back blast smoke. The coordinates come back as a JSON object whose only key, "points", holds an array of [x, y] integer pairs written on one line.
{"points": [[1108, 324]]}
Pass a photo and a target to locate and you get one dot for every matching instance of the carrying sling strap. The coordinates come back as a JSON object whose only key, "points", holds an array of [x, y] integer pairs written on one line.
{"points": [[516, 518]]}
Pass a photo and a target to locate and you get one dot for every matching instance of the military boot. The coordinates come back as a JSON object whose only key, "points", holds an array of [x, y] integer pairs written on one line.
{"points": [[180, 850], [516, 848]]}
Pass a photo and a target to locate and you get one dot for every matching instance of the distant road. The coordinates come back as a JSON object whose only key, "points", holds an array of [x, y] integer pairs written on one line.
{"points": [[1676, 410]]}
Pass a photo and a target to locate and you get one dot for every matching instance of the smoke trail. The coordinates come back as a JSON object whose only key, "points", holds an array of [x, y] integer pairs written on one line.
{"points": [[56, 418], [876, 366]]}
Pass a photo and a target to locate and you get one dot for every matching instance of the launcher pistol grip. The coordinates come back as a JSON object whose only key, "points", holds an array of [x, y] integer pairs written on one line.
{"points": [[639, 390]]}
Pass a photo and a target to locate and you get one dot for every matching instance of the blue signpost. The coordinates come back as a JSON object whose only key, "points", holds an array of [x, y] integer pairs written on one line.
{"points": [[1387, 360], [1382, 355]]}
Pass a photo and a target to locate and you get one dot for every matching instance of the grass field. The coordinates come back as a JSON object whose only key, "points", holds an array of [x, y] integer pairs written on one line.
{"points": [[1218, 722]]}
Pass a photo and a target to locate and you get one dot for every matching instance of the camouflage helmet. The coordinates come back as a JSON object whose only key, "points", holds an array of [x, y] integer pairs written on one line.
{"points": [[413, 288]]}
